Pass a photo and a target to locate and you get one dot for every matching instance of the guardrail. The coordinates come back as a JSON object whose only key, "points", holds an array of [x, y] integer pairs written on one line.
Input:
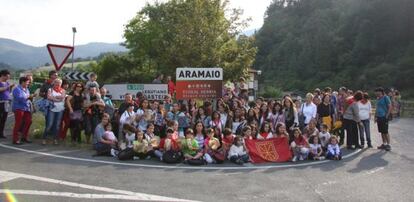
{"points": [[406, 108]]}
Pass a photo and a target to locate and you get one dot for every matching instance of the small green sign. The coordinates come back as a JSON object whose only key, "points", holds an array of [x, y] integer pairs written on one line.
{"points": [[135, 87]]}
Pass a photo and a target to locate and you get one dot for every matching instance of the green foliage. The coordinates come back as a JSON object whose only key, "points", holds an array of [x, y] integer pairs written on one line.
{"points": [[358, 44], [190, 33], [271, 92]]}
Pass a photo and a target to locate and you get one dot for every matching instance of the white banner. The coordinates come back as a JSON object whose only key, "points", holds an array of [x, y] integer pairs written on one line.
{"points": [[197, 74], [151, 91]]}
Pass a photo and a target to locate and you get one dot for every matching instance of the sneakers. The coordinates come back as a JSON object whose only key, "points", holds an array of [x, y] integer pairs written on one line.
{"points": [[25, 141], [295, 158], [114, 153], [381, 147], [369, 146], [387, 147], [17, 143]]}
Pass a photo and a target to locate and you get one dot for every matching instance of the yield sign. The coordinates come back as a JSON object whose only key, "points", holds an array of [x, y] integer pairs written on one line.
{"points": [[59, 54]]}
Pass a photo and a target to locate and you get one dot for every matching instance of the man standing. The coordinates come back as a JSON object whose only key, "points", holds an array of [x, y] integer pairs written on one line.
{"points": [[382, 115], [94, 105], [5, 88], [159, 79]]}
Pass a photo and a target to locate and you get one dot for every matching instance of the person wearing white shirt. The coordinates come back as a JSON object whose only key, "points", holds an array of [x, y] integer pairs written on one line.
{"points": [[237, 153], [365, 115], [308, 109]]}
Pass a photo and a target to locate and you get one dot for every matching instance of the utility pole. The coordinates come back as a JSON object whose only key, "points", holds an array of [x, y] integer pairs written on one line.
{"points": [[73, 45]]}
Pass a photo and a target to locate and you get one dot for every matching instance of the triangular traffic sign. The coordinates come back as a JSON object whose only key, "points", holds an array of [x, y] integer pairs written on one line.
{"points": [[59, 54]]}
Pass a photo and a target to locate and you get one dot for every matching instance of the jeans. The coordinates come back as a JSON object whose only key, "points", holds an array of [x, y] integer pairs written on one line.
{"points": [[367, 131], [243, 158], [53, 124]]}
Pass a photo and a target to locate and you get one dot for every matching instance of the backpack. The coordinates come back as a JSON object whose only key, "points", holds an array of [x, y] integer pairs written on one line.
{"points": [[196, 162], [171, 157], [126, 154]]}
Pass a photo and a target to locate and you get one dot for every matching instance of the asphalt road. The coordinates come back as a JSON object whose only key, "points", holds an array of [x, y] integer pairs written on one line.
{"points": [[59, 173]]}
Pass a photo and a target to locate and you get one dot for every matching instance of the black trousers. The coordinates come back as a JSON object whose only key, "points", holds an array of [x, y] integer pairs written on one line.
{"points": [[352, 133], [3, 118]]}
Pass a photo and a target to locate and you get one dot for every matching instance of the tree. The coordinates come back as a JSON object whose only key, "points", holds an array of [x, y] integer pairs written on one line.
{"points": [[190, 33], [360, 44]]}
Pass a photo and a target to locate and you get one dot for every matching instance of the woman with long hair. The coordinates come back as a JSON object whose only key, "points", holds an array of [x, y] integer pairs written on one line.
{"points": [[74, 102], [290, 114]]}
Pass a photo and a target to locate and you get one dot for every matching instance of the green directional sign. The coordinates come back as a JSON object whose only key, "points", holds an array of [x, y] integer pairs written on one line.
{"points": [[135, 87]]}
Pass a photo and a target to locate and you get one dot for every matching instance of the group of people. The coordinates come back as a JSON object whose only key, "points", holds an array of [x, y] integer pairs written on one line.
{"points": [[196, 131]]}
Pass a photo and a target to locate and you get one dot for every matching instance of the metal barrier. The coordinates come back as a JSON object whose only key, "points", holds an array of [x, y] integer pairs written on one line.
{"points": [[406, 109]]}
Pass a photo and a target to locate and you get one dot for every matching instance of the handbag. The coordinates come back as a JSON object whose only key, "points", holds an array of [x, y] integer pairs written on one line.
{"points": [[76, 115], [219, 156]]}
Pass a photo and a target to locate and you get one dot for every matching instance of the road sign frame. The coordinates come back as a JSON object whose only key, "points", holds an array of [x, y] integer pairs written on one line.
{"points": [[52, 56]]}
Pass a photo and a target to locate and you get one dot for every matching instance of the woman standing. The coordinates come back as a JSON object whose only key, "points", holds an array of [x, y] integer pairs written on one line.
{"points": [[75, 104], [351, 121], [291, 114], [57, 95], [326, 111], [308, 110], [365, 115], [21, 108]]}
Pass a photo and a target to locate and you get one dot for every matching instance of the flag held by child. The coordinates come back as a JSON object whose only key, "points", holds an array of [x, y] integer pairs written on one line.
{"points": [[271, 150]]}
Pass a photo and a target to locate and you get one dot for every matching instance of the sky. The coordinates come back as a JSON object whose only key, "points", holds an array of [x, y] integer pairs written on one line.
{"points": [[39, 22]]}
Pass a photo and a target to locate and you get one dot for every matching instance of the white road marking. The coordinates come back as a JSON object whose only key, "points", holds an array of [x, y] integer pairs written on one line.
{"points": [[119, 194], [254, 167], [375, 170]]}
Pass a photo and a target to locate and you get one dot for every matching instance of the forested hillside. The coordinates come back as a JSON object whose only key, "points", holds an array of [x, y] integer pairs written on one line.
{"points": [[360, 44]]}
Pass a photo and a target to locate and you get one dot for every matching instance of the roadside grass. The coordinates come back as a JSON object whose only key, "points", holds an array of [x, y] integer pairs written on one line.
{"points": [[38, 126]]}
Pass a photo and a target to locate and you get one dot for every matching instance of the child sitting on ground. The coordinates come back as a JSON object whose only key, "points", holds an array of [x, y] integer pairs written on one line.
{"points": [[333, 152], [300, 146], [211, 145], [190, 146], [109, 135], [141, 146], [265, 132], [130, 135], [166, 144], [237, 153], [324, 136], [152, 139], [316, 151], [227, 140]]}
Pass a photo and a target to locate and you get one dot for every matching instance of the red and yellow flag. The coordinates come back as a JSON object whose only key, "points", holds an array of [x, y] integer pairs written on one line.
{"points": [[271, 150]]}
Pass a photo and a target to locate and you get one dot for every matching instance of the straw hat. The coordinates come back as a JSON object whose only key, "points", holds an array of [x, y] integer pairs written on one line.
{"points": [[214, 143]]}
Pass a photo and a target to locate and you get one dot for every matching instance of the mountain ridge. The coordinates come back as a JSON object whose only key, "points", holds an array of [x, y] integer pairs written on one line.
{"points": [[22, 56]]}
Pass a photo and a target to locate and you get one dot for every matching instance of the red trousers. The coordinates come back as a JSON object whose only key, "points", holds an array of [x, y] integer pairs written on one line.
{"points": [[21, 117], [64, 125]]}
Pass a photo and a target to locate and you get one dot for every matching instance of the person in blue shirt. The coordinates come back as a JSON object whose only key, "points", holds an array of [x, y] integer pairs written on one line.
{"points": [[22, 110], [5, 88], [382, 115]]}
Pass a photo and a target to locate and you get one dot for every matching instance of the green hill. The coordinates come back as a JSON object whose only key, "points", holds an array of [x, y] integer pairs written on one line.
{"points": [[359, 44]]}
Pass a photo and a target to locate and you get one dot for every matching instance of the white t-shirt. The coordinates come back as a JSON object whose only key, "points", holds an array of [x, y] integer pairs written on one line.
{"points": [[364, 110], [324, 138], [309, 111], [130, 138], [314, 148], [109, 135], [58, 106]]}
